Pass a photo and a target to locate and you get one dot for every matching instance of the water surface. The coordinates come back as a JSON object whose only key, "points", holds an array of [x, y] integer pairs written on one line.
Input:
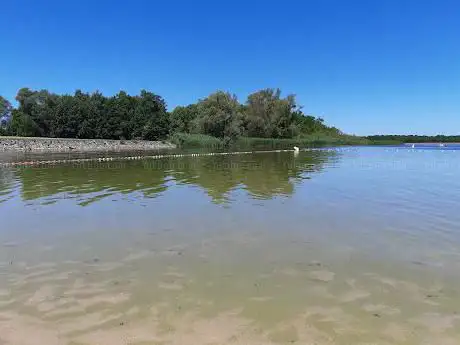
{"points": [[333, 246]]}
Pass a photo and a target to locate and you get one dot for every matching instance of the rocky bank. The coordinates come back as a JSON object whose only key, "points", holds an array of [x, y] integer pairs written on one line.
{"points": [[10, 144]]}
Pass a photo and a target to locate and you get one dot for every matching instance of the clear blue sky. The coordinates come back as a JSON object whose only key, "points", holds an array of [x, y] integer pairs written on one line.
{"points": [[388, 66]]}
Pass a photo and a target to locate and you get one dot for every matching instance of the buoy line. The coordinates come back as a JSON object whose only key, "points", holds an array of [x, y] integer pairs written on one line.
{"points": [[110, 159]]}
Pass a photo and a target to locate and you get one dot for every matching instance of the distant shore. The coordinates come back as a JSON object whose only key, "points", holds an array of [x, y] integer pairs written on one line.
{"points": [[433, 143], [39, 144]]}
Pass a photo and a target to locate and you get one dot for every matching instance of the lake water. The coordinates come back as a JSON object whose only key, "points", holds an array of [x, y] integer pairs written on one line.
{"points": [[333, 246]]}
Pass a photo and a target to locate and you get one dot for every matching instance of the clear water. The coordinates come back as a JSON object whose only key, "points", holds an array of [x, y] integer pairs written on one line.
{"points": [[338, 246]]}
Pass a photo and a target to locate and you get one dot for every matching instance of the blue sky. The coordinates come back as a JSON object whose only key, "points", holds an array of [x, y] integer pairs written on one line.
{"points": [[389, 66]]}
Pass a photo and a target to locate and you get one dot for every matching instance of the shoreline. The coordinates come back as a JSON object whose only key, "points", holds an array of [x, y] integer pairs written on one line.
{"points": [[42, 145], [445, 143]]}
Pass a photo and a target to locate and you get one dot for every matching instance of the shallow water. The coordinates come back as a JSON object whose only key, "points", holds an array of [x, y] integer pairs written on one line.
{"points": [[334, 246]]}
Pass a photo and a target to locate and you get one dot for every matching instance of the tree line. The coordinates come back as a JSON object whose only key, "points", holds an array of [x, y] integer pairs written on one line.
{"points": [[84, 115], [265, 114], [399, 139]]}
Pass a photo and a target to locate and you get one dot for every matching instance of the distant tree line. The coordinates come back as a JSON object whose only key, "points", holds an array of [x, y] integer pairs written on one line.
{"points": [[399, 139], [265, 114]]}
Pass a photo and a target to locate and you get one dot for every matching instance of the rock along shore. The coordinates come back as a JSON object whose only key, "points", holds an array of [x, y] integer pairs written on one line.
{"points": [[18, 144]]}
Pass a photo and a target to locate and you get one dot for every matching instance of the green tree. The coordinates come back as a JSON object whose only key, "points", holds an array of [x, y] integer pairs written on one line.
{"points": [[220, 116], [5, 115], [65, 120], [120, 110], [23, 125], [85, 114], [5, 106], [270, 116], [183, 119], [150, 120], [38, 105]]}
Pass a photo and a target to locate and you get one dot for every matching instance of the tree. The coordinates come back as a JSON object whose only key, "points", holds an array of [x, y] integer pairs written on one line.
{"points": [[38, 106], [150, 120], [270, 116], [86, 115], [183, 119], [23, 125], [308, 124], [219, 115], [65, 120], [120, 110], [5, 113]]}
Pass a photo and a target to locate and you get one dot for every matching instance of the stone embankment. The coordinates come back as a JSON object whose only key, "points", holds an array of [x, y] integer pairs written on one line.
{"points": [[15, 144]]}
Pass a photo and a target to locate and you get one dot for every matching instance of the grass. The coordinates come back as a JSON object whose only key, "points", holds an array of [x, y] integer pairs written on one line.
{"points": [[305, 141], [185, 140]]}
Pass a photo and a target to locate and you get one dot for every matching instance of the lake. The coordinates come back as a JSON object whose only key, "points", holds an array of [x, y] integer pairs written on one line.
{"points": [[328, 246]]}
